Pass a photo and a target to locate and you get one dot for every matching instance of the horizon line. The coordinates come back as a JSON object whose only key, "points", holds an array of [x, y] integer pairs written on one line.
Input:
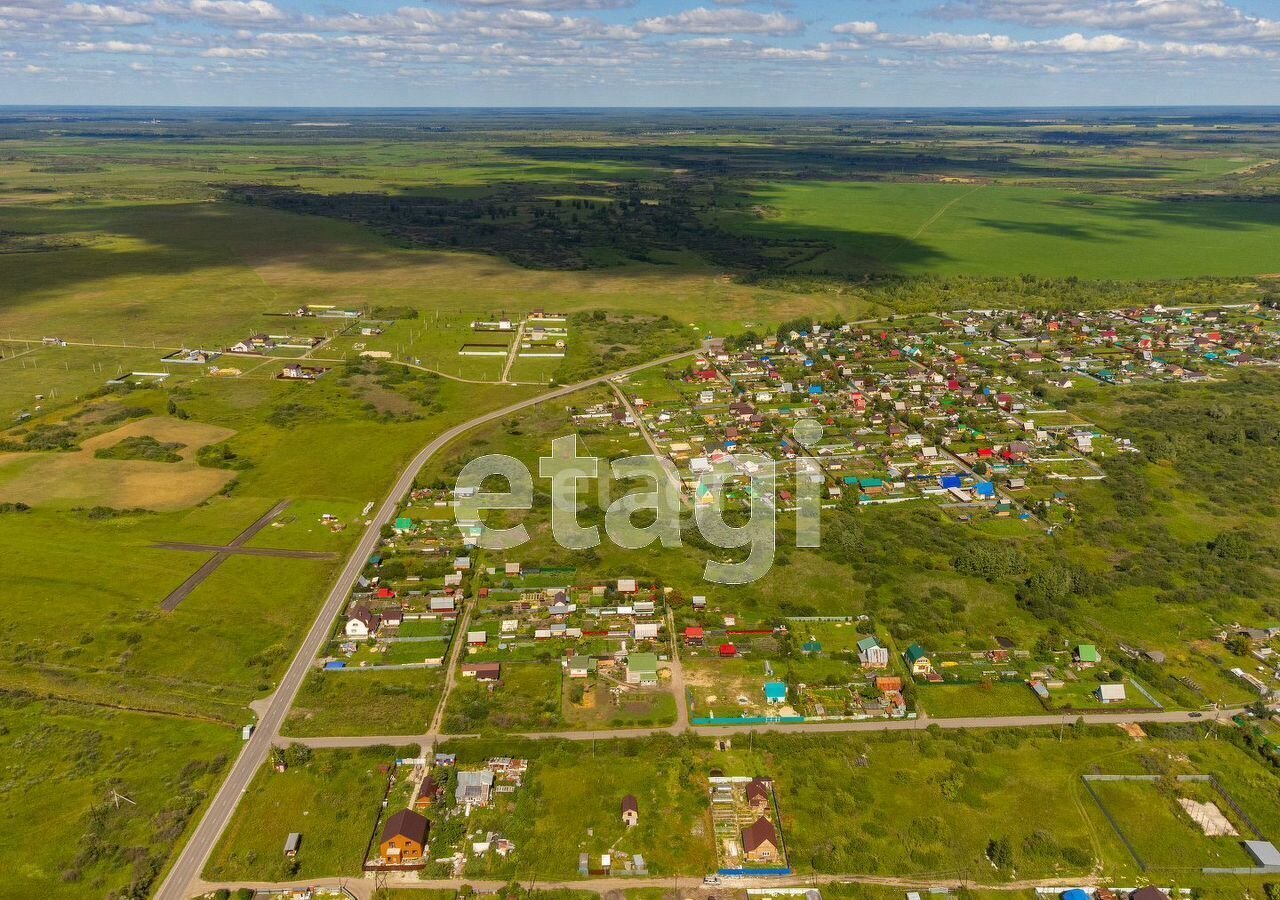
{"points": [[605, 107]]}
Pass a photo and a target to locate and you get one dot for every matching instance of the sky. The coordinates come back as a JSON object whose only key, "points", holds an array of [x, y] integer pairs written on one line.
{"points": [[385, 53]]}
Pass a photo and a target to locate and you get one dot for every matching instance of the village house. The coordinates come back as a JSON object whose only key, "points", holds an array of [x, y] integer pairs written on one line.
{"points": [[872, 655], [918, 660], [759, 795], [428, 794], [642, 669], [1085, 656], [474, 789], [630, 811], [760, 842], [581, 666], [404, 838], [1111, 693], [361, 621], [482, 672]]}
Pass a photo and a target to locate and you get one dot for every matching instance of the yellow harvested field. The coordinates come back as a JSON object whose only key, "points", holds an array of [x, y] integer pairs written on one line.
{"points": [[79, 479], [165, 430]]}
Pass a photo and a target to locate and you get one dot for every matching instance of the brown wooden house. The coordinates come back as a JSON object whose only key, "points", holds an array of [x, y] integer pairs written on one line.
{"points": [[404, 838]]}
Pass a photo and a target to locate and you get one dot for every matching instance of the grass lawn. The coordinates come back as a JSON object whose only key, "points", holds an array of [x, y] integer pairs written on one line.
{"points": [[961, 700], [332, 800], [358, 703]]}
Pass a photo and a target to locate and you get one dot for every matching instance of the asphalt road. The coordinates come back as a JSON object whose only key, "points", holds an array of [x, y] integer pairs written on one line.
{"points": [[190, 862]]}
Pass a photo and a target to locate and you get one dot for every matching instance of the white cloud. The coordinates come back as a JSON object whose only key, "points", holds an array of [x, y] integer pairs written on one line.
{"points": [[104, 14], [547, 4], [284, 39], [720, 21], [1190, 19], [218, 12], [1074, 44], [856, 28], [795, 53], [108, 47], [235, 53]]}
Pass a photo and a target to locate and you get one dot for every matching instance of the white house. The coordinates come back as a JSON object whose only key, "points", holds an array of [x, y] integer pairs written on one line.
{"points": [[1111, 693], [361, 622], [645, 631]]}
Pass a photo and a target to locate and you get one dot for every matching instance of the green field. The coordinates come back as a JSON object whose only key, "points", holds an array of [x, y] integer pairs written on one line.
{"points": [[356, 703], [93, 800], [997, 229]]}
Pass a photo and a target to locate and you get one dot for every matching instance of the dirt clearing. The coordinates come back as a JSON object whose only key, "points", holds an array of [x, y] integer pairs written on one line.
{"points": [[78, 479]]}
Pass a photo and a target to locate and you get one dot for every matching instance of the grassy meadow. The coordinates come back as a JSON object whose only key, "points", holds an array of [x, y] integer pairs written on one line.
{"points": [[128, 245], [1007, 230], [63, 832]]}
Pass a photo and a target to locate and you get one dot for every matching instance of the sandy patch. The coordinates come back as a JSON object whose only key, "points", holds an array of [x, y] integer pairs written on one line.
{"points": [[78, 479]]}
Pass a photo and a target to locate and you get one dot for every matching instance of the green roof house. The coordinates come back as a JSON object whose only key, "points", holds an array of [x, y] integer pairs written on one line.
{"points": [[1087, 655], [642, 668], [918, 660]]}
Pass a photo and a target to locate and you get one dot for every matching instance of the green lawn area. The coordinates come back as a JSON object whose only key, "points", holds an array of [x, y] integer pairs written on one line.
{"points": [[1162, 833], [356, 703], [993, 229], [527, 699], [332, 800], [961, 700], [62, 835]]}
